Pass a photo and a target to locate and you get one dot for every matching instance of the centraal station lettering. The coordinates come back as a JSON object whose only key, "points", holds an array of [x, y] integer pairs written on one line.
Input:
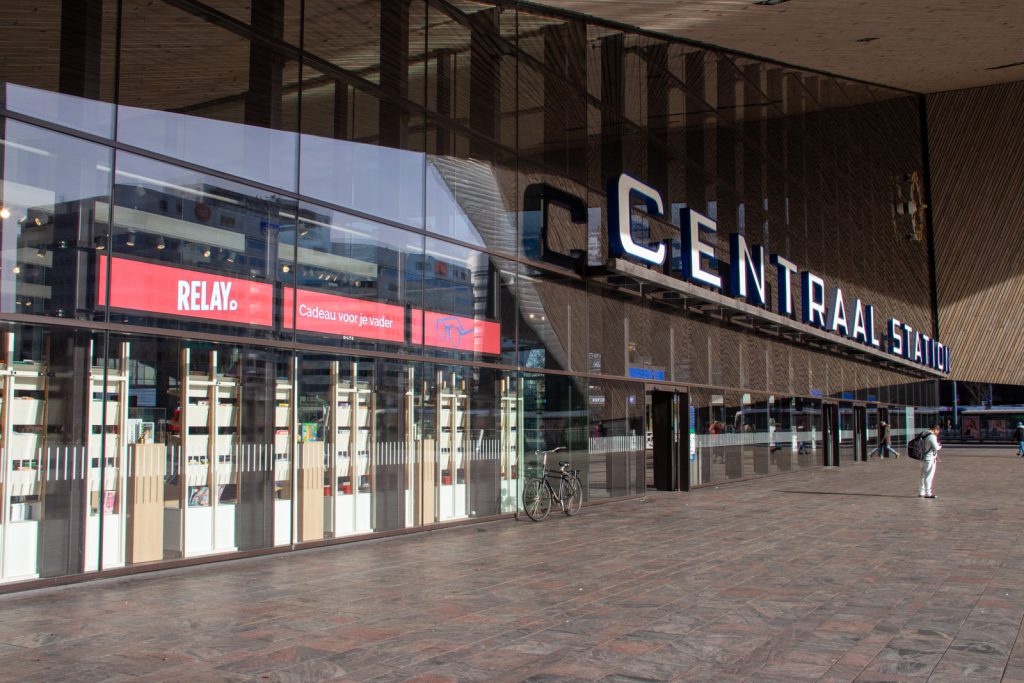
{"points": [[820, 307]]}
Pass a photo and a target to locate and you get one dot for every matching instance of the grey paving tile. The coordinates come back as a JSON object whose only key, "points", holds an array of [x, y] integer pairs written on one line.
{"points": [[779, 579]]}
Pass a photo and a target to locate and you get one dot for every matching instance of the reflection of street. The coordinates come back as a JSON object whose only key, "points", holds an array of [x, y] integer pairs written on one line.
{"points": [[615, 465], [735, 455]]}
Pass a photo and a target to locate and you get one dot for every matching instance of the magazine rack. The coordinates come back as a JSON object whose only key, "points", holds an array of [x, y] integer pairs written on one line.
{"points": [[421, 472], [209, 472], [107, 460], [23, 405], [284, 427], [453, 445], [511, 441], [352, 442]]}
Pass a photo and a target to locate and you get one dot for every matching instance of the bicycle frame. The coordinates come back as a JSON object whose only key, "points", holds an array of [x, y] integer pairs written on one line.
{"points": [[568, 494]]}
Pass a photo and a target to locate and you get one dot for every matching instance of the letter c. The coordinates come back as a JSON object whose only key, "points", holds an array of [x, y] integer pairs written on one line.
{"points": [[620, 229]]}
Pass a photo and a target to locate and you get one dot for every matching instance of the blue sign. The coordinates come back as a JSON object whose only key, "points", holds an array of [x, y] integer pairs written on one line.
{"points": [[645, 373]]}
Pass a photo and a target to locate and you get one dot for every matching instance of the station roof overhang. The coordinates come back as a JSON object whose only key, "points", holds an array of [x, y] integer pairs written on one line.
{"points": [[694, 299]]}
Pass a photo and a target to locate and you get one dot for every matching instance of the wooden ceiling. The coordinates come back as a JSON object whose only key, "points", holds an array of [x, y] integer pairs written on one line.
{"points": [[920, 45]]}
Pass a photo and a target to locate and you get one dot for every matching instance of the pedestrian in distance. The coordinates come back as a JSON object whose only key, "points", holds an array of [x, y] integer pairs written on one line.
{"points": [[884, 447], [928, 463], [1018, 436]]}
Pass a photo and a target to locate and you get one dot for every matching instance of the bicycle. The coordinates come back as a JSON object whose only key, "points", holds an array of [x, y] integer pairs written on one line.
{"points": [[538, 492]]}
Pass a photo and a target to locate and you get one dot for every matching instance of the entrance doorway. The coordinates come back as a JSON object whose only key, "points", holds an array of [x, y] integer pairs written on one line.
{"points": [[669, 441], [830, 426]]}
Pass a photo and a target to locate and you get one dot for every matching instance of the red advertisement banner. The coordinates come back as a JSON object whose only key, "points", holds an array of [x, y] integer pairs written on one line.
{"points": [[456, 332], [341, 315], [152, 288]]}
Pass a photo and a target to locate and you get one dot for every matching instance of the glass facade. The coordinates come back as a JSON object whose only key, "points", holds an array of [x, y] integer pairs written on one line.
{"points": [[290, 271]]}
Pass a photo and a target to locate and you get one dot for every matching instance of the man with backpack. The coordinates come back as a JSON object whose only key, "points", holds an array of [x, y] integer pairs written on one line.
{"points": [[928, 461]]}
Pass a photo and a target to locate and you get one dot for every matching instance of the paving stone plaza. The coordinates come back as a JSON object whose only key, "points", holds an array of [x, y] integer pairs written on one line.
{"points": [[831, 575]]}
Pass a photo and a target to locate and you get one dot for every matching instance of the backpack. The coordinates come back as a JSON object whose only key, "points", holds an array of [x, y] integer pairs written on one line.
{"points": [[916, 447]]}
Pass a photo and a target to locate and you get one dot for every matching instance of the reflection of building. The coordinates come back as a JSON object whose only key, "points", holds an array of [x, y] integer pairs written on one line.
{"points": [[356, 296]]}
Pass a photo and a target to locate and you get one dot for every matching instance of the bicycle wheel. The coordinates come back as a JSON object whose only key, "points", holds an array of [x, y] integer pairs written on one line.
{"points": [[536, 499], [570, 490]]}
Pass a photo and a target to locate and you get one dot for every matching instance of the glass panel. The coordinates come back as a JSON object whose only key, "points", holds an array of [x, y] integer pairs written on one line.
{"points": [[464, 293], [60, 485], [846, 435], [190, 251], [202, 92], [359, 464], [463, 428], [51, 230], [356, 280], [57, 62], [616, 439], [362, 126], [471, 192], [552, 313], [807, 415]]}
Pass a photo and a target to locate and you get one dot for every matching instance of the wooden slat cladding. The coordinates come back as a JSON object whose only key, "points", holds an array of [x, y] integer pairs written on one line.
{"points": [[977, 153]]}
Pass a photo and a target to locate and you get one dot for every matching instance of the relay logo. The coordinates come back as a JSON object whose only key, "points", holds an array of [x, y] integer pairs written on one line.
{"points": [[193, 296], [166, 290]]}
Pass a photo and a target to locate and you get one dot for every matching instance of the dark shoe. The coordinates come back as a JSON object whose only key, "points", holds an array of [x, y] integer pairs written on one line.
{"points": [[931, 496]]}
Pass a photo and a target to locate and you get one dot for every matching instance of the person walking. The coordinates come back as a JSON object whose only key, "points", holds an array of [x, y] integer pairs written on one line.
{"points": [[884, 447], [1018, 436], [931, 458]]}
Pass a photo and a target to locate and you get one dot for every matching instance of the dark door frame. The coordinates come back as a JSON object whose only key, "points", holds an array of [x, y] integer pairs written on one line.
{"points": [[670, 417], [830, 436]]}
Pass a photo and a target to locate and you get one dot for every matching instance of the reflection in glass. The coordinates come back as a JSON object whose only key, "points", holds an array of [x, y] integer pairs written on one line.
{"points": [[190, 250], [356, 279], [52, 233], [236, 111]]}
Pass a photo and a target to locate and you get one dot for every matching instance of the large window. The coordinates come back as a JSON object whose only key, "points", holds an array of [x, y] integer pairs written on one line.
{"points": [[330, 269]]}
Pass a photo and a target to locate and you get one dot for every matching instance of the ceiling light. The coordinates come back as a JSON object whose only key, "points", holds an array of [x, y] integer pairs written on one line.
{"points": [[231, 257], [16, 269], [5, 213], [160, 243], [285, 268], [101, 242], [131, 239], [41, 251], [206, 252]]}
